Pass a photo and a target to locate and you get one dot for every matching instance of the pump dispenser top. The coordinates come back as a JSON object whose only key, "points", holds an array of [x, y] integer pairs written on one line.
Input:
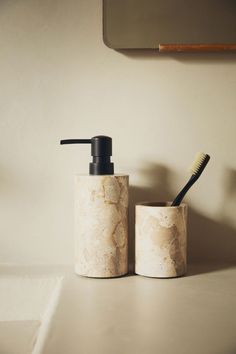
{"points": [[101, 151]]}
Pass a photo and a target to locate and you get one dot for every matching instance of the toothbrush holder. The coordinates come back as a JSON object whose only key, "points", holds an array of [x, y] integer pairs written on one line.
{"points": [[160, 239]]}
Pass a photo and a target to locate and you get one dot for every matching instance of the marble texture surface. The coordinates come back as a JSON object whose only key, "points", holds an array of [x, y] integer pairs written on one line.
{"points": [[101, 225], [160, 240]]}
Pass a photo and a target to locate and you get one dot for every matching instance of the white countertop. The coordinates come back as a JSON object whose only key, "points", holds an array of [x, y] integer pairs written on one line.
{"points": [[136, 315]]}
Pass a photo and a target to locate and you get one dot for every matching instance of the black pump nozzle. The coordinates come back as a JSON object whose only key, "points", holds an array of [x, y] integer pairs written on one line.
{"points": [[101, 150]]}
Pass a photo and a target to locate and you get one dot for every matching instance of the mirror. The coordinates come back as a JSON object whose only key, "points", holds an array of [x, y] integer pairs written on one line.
{"points": [[133, 24]]}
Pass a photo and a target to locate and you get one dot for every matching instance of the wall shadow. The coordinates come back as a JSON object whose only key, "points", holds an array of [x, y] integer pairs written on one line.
{"points": [[211, 243], [228, 209], [187, 58]]}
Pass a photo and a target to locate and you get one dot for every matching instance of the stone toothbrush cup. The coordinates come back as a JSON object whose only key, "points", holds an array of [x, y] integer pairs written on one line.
{"points": [[160, 239]]}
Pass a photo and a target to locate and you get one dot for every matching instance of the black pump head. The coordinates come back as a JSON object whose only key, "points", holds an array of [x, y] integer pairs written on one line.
{"points": [[101, 150]]}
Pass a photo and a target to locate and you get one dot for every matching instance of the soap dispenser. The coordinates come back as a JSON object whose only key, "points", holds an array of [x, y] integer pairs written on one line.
{"points": [[101, 214]]}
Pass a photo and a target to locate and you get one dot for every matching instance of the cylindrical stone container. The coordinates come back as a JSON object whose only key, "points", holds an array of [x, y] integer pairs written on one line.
{"points": [[101, 225], [160, 239]]}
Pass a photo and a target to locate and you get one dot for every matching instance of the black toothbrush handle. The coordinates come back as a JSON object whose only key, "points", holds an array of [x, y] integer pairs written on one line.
{"points": [[182, 193]]}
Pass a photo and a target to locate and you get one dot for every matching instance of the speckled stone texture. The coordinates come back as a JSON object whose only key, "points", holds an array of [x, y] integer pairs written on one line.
{"points": [[101, 225], [160, 240]]}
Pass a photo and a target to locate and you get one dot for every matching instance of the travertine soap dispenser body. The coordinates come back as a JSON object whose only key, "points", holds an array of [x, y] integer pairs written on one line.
{"points": [[101, 225], [101, 215]]}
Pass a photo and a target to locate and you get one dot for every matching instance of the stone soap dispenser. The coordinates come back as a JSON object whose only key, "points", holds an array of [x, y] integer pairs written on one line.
{"points": [[101, 214]]}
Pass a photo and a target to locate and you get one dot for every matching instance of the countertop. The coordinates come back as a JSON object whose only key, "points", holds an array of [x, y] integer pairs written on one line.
{"points": [[137, 315]]}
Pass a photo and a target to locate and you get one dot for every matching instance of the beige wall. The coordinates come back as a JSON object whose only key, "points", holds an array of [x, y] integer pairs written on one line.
{"points": [[58, 80]]}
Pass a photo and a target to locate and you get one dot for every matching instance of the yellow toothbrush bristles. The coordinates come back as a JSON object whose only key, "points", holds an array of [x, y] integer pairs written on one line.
{"points": [[199, 159]]}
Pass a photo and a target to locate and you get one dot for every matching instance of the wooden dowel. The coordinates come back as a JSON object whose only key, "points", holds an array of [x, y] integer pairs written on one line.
{"points": [[167, 48]]}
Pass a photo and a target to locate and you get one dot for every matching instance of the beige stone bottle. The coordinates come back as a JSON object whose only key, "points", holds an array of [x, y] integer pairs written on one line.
{"points": [[101, 214]]}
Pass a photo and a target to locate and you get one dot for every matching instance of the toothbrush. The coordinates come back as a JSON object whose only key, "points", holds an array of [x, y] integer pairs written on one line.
{"points": [[196, 170]]}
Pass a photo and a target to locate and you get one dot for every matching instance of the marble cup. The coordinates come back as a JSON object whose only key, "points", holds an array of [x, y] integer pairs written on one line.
{"points": [[101, 225], [160, 239]]}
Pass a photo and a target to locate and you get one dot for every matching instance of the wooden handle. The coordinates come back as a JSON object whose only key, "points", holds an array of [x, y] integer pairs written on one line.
{"points": [[168, 48]]}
